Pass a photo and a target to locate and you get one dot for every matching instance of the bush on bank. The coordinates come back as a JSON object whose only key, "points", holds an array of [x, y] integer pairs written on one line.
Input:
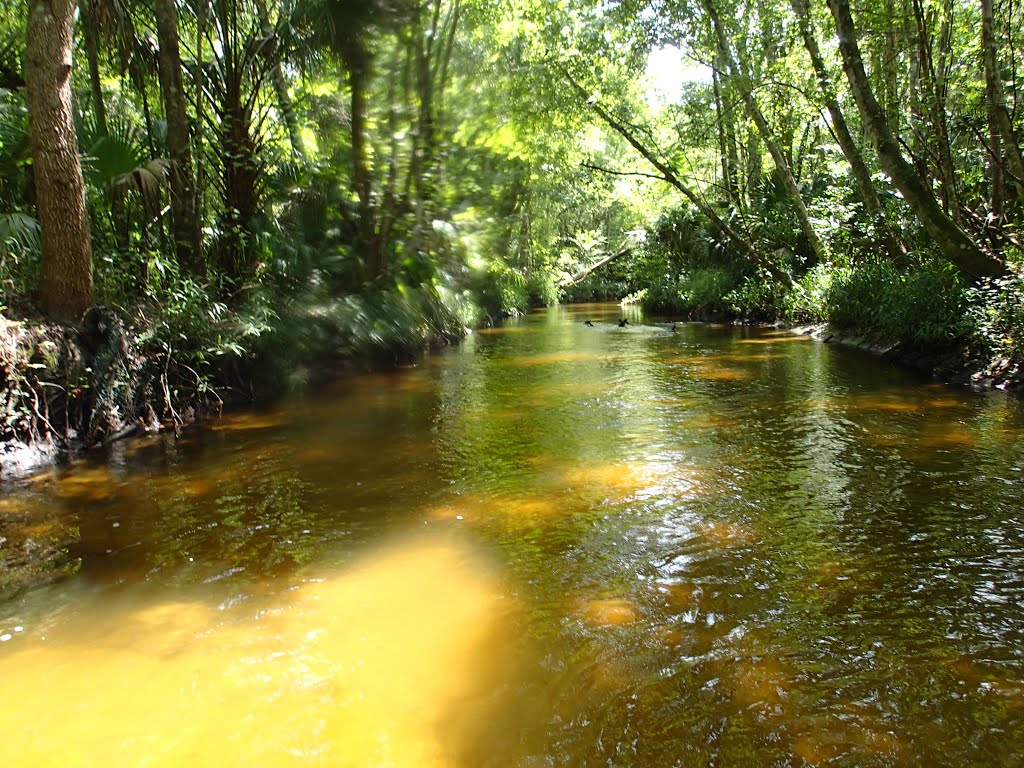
{"points": [[181, 351], [930, 307]]}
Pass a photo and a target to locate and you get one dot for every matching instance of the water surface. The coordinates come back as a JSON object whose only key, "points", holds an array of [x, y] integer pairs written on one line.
{"points": [[553, 545]]}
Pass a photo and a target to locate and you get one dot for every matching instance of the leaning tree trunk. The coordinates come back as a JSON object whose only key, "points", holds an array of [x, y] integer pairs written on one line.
{"points": [[954, 243], [65, 270], [742, 244], [782, 164], [861, 174], [188, 235]]}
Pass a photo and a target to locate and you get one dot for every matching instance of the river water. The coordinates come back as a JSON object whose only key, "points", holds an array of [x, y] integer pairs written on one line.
{"points": [[553, 545]]}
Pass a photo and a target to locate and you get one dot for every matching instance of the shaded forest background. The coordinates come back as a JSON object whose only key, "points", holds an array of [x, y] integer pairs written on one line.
{"points": [[203, 199]]}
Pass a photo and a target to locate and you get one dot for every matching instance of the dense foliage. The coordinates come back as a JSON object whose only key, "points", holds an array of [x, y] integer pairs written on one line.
{"points": [[266, 184]]}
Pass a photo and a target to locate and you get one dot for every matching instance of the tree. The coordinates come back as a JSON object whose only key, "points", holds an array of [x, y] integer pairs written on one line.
{"points": [[90, 32], [188, 236], [861, 175], [669, 175], [954, 243], [352, 25], [1002, 138], [739, 73], [65, 278], [280, 83]]}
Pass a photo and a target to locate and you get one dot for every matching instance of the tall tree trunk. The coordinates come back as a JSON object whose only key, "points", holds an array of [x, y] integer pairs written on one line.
{"points": [[1000, 125], [997, 194], [426, 128], [861, 174], [280, 84], [445, 52], [92, 54], [767, 136], [284, 103], [956, 246], [199, 139], [932, 92], [940, 80], [752, 163], [65, 272], [359, 106], [723, 156], [726, 141], [188, 237], [889, 58]]}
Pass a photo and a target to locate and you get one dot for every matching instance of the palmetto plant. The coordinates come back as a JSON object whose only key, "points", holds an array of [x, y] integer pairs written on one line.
{"points": [[119, 163], [19, 239], [14, 151], [19, 231]]}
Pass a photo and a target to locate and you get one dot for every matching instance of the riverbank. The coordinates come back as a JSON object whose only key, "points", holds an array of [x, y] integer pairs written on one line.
{"points": [[928, 318], [68, 390], [953, 366]]}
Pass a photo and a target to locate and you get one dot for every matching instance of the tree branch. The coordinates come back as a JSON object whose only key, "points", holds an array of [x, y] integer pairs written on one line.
{"points": [[610, 172]]}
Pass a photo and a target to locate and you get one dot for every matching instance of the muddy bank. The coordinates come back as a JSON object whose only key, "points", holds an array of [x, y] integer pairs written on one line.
{"points": [[67, 389]]}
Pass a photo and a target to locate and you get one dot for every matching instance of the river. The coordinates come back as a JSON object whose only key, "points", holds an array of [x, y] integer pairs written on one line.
{"points": [[553, 545]]}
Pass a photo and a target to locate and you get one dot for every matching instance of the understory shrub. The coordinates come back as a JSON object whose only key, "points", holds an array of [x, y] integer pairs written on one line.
{"points": [[808, 301], [698, 293], [756, 299], [926, 305], [542, 288], [996, 311]]}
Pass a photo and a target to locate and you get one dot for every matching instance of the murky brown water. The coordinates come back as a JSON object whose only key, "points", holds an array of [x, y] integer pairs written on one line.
{"points": [[552, 546]]}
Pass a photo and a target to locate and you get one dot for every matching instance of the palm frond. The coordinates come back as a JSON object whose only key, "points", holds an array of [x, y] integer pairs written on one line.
{"points": [[119, 162], [18, 231]]}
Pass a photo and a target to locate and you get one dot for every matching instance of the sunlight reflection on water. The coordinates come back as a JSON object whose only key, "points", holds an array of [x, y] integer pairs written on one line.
{"points": [[634, 547], [388, 662]]}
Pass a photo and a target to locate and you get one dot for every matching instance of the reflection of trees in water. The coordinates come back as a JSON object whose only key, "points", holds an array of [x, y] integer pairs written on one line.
{"points": [[34, 546], [253, 514], [719, 569], [808, 589]]}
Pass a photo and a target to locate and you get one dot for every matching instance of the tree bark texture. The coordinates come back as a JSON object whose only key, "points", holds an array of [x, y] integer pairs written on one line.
{"points": [[65, 277], [954, 243], [188, 237]]}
